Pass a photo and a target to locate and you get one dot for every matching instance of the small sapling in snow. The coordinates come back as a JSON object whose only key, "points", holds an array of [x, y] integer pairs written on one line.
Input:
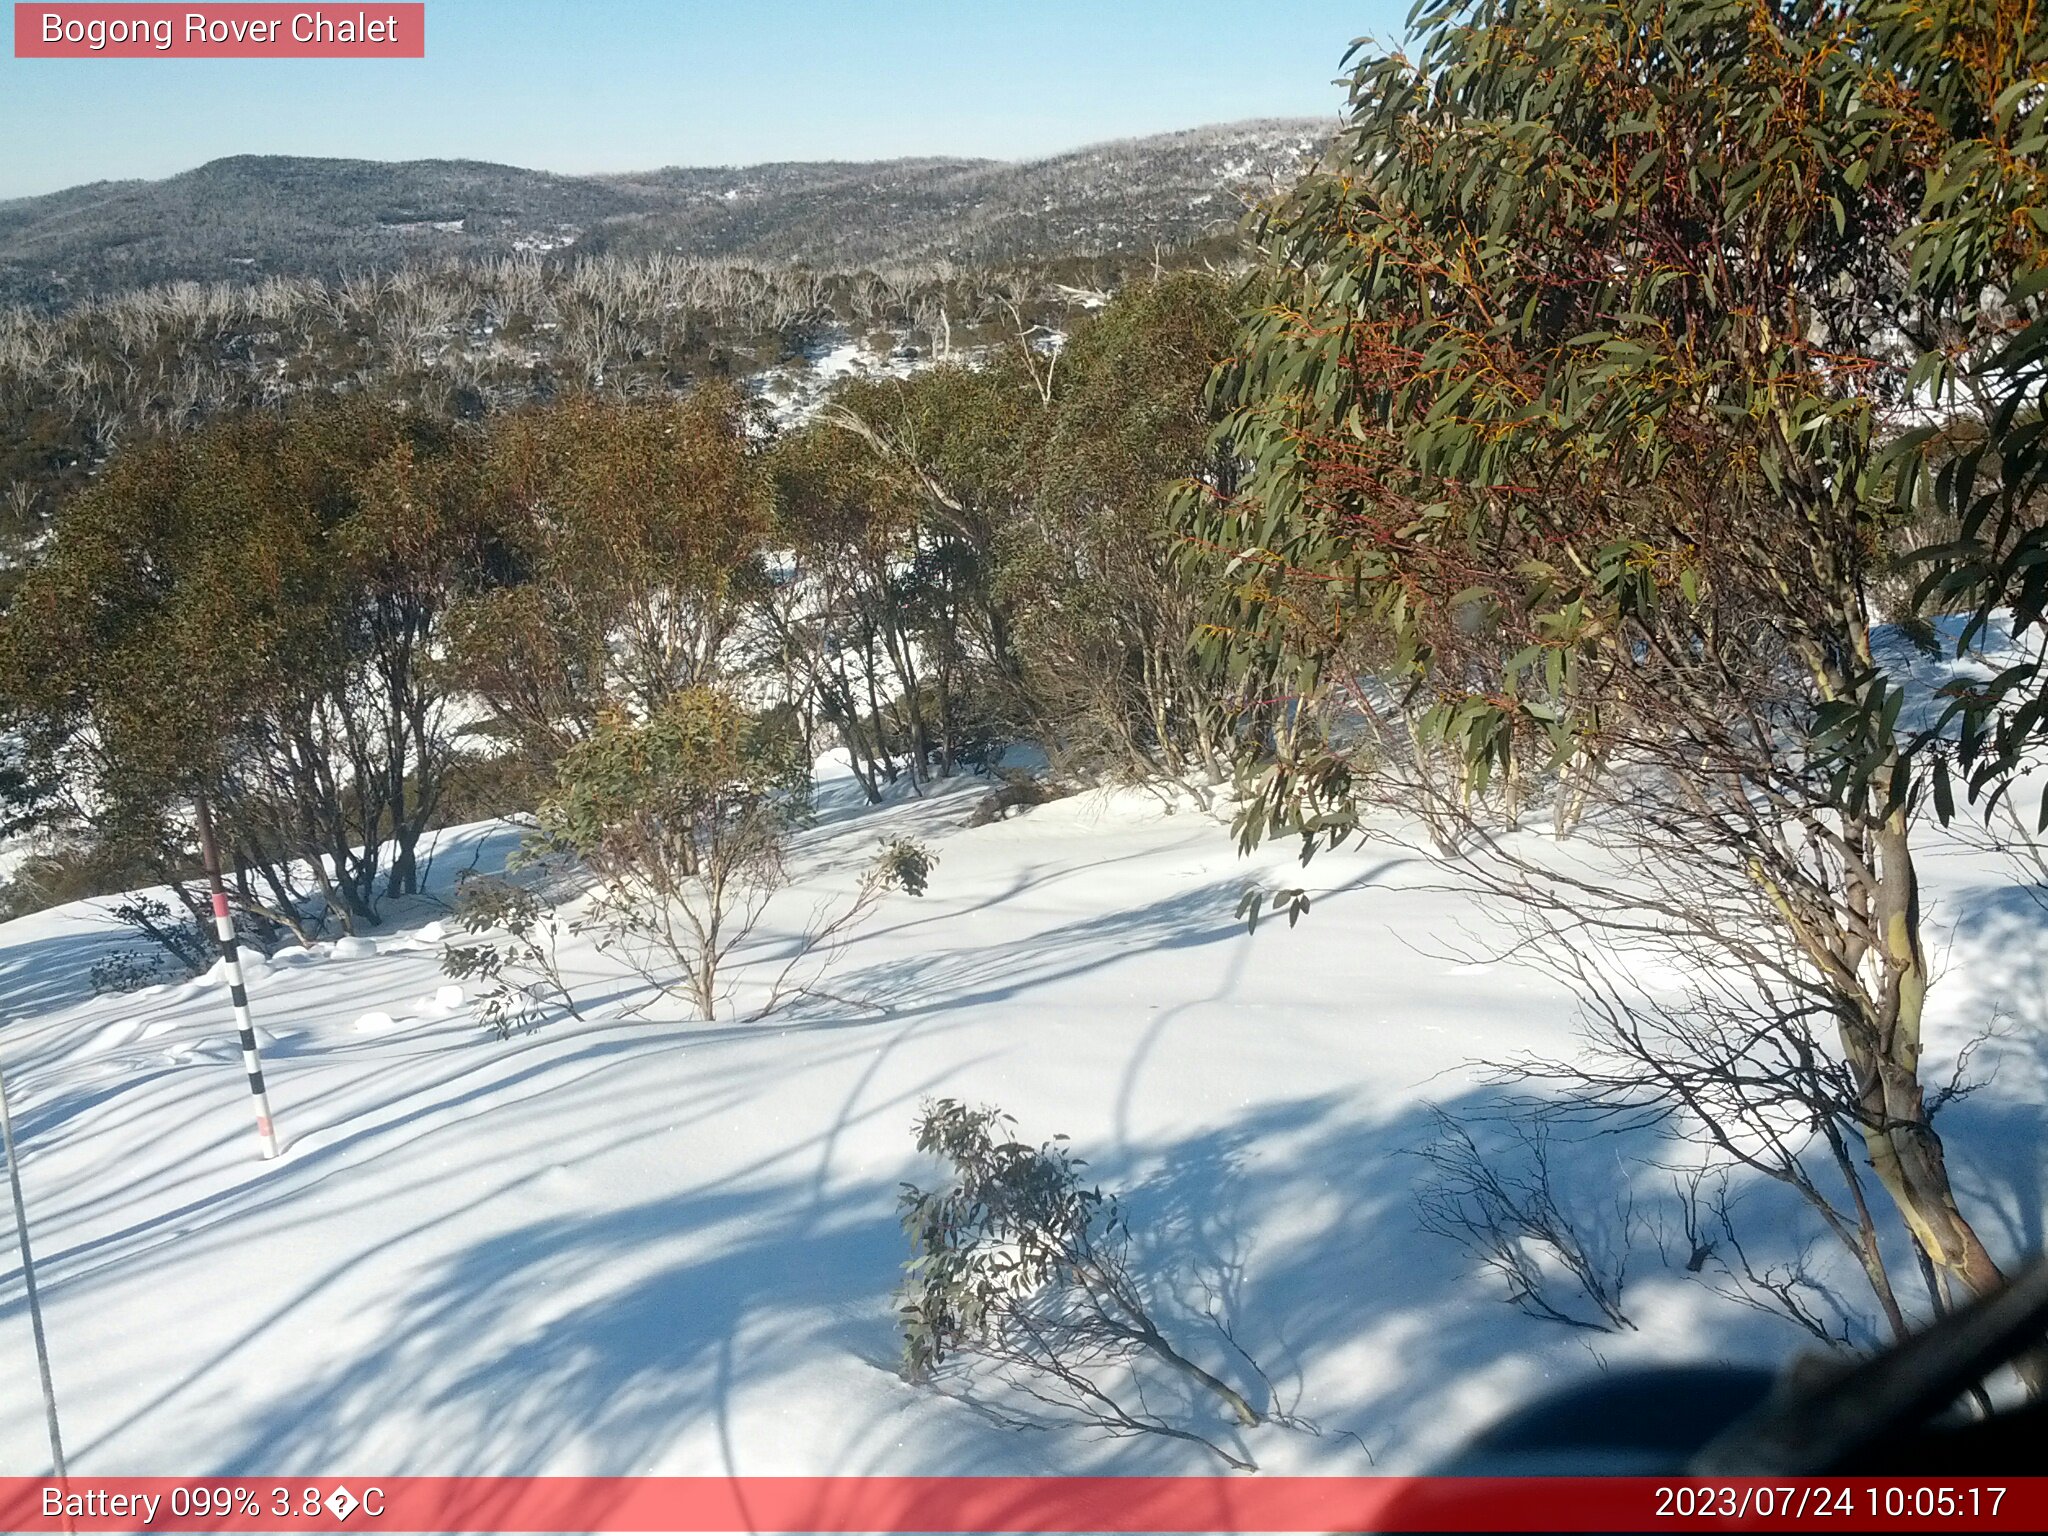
{"points": [[1022, 1265], [521, 973]]}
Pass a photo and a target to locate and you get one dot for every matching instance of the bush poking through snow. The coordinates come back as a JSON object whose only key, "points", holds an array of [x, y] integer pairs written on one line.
{"points": [[182, 943], [902, 864], [130, 970], [181, 948], [905, 865], [521, 975], [1019, 1264]]}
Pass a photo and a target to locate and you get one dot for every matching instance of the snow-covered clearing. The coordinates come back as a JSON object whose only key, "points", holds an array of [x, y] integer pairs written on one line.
{"points": [[652, 1245], [795, 390]]}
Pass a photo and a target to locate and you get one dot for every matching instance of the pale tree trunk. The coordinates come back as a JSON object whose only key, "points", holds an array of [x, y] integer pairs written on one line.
{"points": [[1882, 976], [1884, 1050]]}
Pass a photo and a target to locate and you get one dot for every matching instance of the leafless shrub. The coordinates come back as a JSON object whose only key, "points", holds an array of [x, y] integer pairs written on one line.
{"points": [[1732, 1062], [900, 864], [1504, 1208], [2002, 832], [1716, 1257]]}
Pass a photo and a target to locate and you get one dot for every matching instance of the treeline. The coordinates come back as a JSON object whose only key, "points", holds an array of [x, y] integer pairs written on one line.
{"points": [[464, 340], [349, 619]]}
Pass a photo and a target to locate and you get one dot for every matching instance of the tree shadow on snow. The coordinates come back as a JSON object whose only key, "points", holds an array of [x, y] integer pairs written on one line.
{"points": [[667, 1333]]}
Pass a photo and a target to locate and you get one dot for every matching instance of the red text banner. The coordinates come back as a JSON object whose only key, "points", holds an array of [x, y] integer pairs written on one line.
{"points": [[1022, 1504], [233, 31]]}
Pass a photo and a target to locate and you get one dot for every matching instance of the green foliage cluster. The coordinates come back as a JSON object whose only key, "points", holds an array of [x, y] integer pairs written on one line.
{"points": [[250, 612], [631, 537], [298, 614], [681, 819], [1603, 322], [1581, 404], [905, 864], [1021, 1263], [661, 799], [1015, 1219], [1978, 78]]}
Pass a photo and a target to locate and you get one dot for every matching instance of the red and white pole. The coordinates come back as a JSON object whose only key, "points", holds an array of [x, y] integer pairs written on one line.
{"points": [[238, 994]]}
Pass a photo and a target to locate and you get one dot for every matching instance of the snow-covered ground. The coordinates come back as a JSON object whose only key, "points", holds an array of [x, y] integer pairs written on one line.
{"points": [[795, 390], [642, 1245]]}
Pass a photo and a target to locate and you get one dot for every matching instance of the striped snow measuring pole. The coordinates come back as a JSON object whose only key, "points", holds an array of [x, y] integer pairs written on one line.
{"points": [[224, 929]]}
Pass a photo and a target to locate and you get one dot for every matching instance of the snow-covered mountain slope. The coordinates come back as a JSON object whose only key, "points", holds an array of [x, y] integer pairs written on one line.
{"points": [[283, 215], [646, 1244]]}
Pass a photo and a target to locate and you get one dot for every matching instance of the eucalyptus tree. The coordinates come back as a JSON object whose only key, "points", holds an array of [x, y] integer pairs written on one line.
{"points": [[1010, 535], [632, 541], [1103, 607], [1973, 81], [1567, 403], [251, 612]]}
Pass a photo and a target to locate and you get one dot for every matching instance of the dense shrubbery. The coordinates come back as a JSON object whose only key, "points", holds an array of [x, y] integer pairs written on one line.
{"points": [[993, 550], [462, 340], [348, 620], [305, 613], [254, 612], [629, 539]]}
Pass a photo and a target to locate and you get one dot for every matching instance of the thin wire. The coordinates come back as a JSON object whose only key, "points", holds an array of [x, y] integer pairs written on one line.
{"points": [[28, 1274]]}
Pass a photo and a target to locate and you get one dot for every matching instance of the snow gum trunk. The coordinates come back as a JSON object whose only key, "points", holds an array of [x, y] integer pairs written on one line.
{"points": [[1884, 1050]]}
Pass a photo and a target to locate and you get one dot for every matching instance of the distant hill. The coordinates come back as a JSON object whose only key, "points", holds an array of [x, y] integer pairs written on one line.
{"points": [[253, 215]]}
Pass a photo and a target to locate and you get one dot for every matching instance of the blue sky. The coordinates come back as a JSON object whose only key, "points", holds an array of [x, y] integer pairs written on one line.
{"points": [[615, 85]]}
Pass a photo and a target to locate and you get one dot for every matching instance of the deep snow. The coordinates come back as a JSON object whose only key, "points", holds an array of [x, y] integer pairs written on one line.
{"points": [[641, 1245]]}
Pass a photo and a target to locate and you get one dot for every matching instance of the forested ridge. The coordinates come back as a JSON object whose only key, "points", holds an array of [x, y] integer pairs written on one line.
{"points": [[251, 217]]}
